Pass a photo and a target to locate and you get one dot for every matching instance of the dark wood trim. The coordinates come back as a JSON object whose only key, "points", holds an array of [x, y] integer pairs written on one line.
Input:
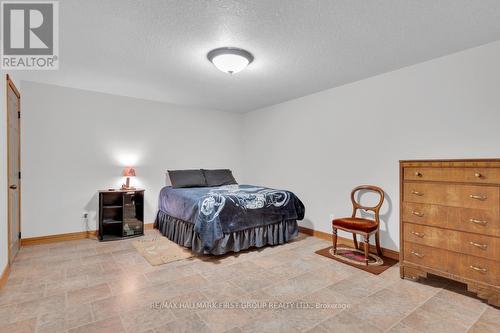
{"points": [[66, 237], [347, 242]]}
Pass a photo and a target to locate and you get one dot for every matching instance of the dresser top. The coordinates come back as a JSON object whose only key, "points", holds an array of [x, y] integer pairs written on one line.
{"points": [[119, 190], [478, 162]]}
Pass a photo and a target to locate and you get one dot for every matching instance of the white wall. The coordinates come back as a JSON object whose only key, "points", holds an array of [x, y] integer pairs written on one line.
{"points": [[322, 145], [75, 142], [319, 146]]}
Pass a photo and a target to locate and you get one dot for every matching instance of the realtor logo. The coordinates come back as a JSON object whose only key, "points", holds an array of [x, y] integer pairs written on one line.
{"points": [[30, 35]]}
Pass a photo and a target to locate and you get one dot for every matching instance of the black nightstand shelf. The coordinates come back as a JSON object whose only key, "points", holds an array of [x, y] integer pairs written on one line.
{"points": [[121, 214]]}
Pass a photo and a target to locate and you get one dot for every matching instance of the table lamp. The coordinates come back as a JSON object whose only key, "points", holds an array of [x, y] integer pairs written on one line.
{"points": [[128, 172]]}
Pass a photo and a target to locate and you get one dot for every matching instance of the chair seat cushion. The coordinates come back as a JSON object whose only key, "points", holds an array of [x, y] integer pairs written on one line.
{"points": [[355, 223]]}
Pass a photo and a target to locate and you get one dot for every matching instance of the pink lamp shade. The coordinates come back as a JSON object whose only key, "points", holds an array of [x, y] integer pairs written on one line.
{"points": [[129, 172]]}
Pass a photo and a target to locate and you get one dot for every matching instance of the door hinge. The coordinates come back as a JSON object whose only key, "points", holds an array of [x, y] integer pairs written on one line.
{"points": [[19, 175], [19, 235], [19, 114]]}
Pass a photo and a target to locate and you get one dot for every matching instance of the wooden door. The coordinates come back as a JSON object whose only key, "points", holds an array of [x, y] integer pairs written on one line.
{"points": [[14, 167]]}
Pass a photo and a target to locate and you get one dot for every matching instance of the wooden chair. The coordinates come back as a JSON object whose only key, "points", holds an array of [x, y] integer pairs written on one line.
{"points": [[361, 226]]}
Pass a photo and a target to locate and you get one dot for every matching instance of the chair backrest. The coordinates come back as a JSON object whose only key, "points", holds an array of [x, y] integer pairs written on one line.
{"points": [[376, 208]]}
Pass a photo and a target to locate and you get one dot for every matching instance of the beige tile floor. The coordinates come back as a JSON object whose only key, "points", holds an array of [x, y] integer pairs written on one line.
{"points": [[87, 286]]}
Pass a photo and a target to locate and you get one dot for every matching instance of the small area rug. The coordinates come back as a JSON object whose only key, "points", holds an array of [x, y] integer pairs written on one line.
{"points": [[356, 258], [158, 250]]}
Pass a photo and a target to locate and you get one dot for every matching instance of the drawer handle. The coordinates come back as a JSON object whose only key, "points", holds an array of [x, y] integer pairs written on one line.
{"points": [[478, 222], [481, 246], [478, 175], [417, 214], [418, 234], [479, 269], [417, 254], [418, 174], [417, 193], [478, 197]]}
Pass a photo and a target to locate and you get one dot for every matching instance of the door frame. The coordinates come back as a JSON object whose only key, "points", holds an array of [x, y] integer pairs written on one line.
{"points": [[10, 85]]}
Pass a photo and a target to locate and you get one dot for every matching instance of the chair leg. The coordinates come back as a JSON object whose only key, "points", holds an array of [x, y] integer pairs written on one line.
{"points": [[355, 239], [334, 240], [367, 246], [377, 242]]}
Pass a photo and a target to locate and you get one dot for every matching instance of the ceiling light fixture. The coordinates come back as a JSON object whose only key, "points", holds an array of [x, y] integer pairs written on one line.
{"points": [[230, 59]]}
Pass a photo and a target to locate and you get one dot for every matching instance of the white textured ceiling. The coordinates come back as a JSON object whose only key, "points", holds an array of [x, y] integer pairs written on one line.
{"points": [[156, 49]]}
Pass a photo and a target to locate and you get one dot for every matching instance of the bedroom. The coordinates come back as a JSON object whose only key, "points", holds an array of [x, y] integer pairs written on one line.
{"points": [[335, 95]]}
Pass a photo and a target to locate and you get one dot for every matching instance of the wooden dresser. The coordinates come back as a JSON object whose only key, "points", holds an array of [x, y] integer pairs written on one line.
{"points": [[450, 222]]}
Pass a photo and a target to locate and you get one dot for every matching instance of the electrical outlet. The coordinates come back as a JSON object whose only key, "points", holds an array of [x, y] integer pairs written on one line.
{"points": [[85, 221]]}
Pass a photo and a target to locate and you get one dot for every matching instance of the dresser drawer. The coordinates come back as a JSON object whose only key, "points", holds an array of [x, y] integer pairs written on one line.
{"points": [[466, 196], [425, 255], [464, 175], [425, 235], [474, 268], [462, 265], [473, 244], [480, 221], [456, 241]]}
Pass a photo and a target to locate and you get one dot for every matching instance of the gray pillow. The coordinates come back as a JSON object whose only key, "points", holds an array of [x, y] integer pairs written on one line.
{"points": [[187, 178], [219, 177]]}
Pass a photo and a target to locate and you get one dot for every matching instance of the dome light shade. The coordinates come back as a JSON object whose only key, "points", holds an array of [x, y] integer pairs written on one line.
{"points": [[230, 59]]}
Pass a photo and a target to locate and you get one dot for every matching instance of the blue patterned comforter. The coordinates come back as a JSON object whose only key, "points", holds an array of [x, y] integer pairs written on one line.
{"points": [[225, 209]]}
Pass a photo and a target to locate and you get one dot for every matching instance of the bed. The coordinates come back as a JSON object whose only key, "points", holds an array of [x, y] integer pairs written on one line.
{"points": [[227, 218]]}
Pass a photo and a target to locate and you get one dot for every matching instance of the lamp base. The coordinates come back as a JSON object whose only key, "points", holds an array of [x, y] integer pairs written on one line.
{"points": [[127, 186]]}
